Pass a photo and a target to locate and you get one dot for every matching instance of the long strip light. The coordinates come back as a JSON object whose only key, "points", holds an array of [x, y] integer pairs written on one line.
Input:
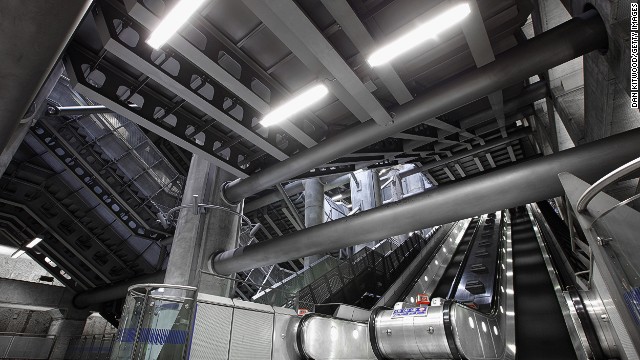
{"points": [[295, 105], [173, 21], [417, 36], [17, 254], [34, 242]]}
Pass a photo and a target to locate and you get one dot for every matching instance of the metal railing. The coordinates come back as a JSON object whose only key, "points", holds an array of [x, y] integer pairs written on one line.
{"points": [[96, 347], [273, 296], [25, 346], [608, 179], [156, 321]]}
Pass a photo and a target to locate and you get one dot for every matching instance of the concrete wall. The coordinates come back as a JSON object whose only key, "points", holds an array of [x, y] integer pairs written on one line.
{"points": [[22, 268], [24, 321], [97, 325]]}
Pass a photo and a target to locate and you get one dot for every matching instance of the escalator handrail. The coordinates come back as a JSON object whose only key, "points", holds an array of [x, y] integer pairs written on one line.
{"points": [[569, 284], [463, 264]]}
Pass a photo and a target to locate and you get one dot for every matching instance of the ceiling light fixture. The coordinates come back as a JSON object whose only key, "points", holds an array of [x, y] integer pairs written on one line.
{"points": [[417, 36], [173, 21], [295, 105], [17, 254], [34, 242]]}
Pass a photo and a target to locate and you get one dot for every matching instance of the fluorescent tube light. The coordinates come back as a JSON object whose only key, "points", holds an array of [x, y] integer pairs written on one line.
{"points": [[173, 21], [295, 105], [419, 35], [34, 242], [337, 197], [17, 254]]}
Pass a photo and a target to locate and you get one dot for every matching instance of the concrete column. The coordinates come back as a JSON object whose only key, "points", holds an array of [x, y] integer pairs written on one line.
{"points": [[313, 210], [365, 194], [65, 325], [197, 237], [396, 194]]}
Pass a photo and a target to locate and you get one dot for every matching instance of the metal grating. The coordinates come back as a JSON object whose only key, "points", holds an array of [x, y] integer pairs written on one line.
{"points": [[251, 335], [211, 332]]}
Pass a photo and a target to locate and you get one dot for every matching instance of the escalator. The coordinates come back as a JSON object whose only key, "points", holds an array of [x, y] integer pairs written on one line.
{"points": [[540, 329], [448, 284]]}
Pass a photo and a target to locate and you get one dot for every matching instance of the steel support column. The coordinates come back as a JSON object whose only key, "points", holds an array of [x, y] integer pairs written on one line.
{"points": [[515, 185], [576, 37]]}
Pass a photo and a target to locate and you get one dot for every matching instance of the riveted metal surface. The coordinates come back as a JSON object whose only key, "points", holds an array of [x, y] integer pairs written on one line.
{"points": [[414, 337]]}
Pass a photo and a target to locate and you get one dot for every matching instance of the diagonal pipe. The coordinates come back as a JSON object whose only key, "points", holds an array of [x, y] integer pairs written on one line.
{"points": [[567, 41], [515, 185]]}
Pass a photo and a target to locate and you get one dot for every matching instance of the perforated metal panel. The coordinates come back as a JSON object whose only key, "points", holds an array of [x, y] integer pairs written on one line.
{"points": [[211, 332], [251, 336]]}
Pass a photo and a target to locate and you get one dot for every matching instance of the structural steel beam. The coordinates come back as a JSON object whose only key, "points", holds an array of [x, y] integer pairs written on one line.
{"points": [[139, 12], [515, 185], [299, 34], [530, 94], [213, 107], [574, 38], [463, 154], [355, 30]]}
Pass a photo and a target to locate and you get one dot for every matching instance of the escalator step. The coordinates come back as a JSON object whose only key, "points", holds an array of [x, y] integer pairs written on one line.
{"points": [[482, 253], [475, 287], [479, 268]]}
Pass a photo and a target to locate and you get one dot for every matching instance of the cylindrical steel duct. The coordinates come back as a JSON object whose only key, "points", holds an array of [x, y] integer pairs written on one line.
{"points": [[113, 292], [463, 154], [523, 183], [574, 38]]}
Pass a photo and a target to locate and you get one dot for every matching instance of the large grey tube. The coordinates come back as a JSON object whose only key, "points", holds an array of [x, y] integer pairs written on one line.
{"points": [[463, 154], [116, 291], [34, 34], [574, 38], [519, 184]]}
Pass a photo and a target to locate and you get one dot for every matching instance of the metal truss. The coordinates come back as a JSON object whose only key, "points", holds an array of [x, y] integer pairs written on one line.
{"points": [[97, 79], [96, 183]]}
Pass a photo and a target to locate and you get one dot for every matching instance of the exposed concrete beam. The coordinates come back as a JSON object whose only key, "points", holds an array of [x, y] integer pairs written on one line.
{"points": [[31, 45], [34, 296]]}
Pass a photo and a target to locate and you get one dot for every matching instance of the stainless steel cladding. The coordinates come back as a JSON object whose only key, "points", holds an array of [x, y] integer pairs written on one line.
{"points": [[323, 338], [411, 337]]}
